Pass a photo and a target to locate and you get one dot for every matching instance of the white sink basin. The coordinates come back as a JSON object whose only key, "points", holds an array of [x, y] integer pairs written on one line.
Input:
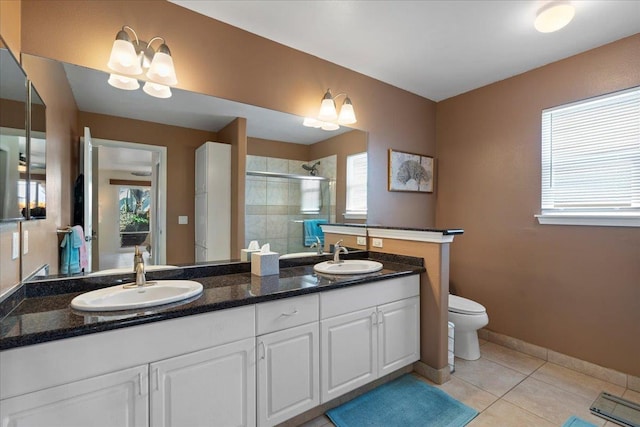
{"points": [[121, 298], [147, 269], [301, 254], [348, 266]]}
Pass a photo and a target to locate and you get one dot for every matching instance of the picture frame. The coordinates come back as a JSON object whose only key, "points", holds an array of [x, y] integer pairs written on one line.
{"points": [[410, 172]]}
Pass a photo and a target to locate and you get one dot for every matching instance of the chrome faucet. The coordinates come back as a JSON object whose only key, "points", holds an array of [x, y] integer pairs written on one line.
{"points": [[318, 245], [337, 249]]}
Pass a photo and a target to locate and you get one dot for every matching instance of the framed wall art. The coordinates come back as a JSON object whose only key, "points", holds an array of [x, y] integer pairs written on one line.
{"points": [[410, 172]]}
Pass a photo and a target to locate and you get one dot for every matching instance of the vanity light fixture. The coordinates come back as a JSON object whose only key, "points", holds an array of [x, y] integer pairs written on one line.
{"points": [[554, 16], [328, 118], [131, 59]]}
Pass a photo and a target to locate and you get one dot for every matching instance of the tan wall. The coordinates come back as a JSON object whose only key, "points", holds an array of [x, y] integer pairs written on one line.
{"points": [[342, 146], [61, 119], [282, 150], [235, 133], [181, 146], [216, 59], [573, 289], [10, 25]]}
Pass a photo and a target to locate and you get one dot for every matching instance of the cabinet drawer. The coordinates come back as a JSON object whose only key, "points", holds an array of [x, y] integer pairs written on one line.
{"points": [[286, 313], [358, 297]]}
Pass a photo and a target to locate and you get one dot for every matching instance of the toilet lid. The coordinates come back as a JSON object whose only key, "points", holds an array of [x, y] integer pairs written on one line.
{"points": [[465, 306]]}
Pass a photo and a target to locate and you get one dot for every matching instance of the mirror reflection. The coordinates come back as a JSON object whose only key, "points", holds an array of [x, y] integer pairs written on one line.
{"points": [[128, 131], [13, 138], [37, 156]]}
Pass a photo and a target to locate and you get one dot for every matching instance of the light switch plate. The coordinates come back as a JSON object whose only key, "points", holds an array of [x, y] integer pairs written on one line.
{"points": [[25, 242], [377, 243], [183, 219], [15, 245], [361, 240]]}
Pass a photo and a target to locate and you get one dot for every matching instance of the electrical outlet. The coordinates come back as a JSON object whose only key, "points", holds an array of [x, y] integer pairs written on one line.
{"points": [[377, 243], [15, 245], [361, 240], [183, 219], [25, 242]]}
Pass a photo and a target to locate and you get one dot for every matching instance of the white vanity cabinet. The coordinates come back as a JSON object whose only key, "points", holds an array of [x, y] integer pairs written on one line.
{"points": [[210, 387], [115, 399], [288, 358], [194, 370], [366, 332]]}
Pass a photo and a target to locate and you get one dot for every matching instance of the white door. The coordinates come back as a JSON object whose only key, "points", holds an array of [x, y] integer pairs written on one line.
{"points": [[89, 157], [116, 399], [349, 352], [398, 334], [288, 373], [212, 387]]}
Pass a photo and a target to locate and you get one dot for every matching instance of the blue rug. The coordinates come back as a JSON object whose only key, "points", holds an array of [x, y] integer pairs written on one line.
{"points": [[404, 402], [577, 422]]}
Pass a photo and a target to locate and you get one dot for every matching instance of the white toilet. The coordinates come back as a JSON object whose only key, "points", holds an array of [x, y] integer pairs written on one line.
{"points": [[467, 316]]}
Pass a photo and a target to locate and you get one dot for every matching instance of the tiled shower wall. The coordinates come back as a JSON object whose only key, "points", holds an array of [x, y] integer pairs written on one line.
{"points": [[272, 211]]}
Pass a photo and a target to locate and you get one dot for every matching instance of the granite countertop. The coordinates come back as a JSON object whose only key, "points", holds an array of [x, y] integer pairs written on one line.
{"points": [[39, 311]]}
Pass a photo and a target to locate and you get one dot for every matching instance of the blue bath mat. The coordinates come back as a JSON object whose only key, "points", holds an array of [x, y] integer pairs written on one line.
{"points": [[577, 422], [404, 402]]}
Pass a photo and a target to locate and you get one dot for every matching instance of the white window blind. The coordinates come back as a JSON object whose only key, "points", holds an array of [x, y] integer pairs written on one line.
{"points": [[356, 185], [591, 157]]}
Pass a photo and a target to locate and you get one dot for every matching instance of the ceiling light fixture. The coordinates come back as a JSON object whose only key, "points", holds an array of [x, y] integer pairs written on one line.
{"points": [[328, 118], [131, 59], [554, 16]]}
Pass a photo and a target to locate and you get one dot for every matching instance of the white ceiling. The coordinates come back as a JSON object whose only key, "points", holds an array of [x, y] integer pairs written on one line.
{"points": [[435, 48]]}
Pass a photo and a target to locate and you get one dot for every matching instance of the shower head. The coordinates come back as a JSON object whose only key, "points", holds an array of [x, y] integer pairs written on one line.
{"points": [[313, 169]]}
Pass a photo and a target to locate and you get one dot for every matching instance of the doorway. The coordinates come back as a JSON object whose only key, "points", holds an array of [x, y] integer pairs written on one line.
{"points": [[131, 203]]}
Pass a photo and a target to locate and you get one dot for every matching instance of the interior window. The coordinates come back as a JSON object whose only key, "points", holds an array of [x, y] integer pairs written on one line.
{"points": [[356, 206], [591, 161]]}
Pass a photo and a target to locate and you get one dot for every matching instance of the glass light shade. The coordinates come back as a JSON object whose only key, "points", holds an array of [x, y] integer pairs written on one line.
{"points": [[123, 58], [327, 110], [159, 91], [347, 115], [329, 126], [554, 16], [311, 122], [161, 69], [122, 82]]}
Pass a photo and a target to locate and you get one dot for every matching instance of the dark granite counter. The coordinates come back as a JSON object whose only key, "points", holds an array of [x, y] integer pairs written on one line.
{"points": [[39, 311]]}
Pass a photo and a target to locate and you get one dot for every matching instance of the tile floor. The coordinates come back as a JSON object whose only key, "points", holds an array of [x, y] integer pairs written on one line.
{"points": [[510, 388]]}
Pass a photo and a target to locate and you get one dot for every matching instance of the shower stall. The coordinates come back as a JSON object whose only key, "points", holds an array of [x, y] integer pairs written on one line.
{"points": [[284, 208]]}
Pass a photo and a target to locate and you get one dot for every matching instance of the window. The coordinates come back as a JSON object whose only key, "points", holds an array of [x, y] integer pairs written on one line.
{"points": [[356, 186], [134, 206], [591, 161]]}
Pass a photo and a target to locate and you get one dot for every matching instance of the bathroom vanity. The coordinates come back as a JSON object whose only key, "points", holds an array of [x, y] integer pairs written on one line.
{"points": [[249, 351]]}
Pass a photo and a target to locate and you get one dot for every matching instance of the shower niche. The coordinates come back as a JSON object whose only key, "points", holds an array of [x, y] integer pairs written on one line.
{"points": [[285, 199]]}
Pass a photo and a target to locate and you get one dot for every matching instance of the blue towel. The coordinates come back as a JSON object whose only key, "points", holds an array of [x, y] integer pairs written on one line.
{"points": [[577, 422], [312, 230], [70, 255]]}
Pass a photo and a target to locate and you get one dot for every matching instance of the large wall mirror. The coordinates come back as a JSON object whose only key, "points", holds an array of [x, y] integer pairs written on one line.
{"points": [[128, 131], [13, 137]]}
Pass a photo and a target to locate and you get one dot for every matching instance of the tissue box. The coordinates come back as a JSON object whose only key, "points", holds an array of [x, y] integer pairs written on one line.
{"points": [[265, 263], [245, 254]]}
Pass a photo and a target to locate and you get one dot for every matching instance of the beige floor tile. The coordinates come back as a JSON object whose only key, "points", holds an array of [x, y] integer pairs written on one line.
{"points": [[321, 421], [633, 383], [513, 359], [487, 375], [482, 342], [505, 414], [550, 402], [588, 368], [466, 393], [575, 382], [632, 395]]}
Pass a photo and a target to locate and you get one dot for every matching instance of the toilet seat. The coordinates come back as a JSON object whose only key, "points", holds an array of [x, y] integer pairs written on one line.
{"points": [[465, 306]]}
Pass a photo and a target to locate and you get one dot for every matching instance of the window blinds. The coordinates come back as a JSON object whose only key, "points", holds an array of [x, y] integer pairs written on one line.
{"points": [[591, 155]]}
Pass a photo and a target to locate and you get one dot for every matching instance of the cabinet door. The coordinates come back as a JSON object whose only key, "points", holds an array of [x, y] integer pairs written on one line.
{"points": [[115, 399], [349, 352], [201, 169], [398, 334], [201, 220], [212, 387], [288, 373]]}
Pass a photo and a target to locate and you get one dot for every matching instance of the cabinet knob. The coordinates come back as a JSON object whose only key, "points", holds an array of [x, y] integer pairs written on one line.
{"points": [[293, 313]]}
